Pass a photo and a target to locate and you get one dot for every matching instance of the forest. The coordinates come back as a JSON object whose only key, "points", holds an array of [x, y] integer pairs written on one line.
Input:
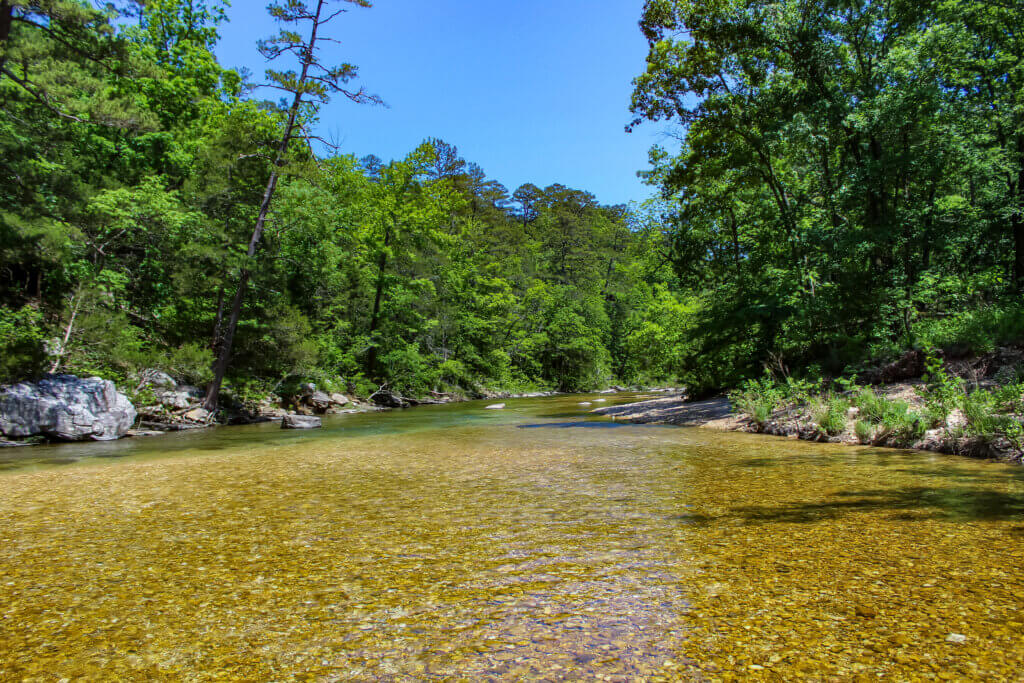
{"points": [[844, 181]]}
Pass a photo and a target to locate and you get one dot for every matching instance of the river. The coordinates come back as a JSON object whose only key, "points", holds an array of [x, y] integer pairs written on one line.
{"points": [[540, 542]]}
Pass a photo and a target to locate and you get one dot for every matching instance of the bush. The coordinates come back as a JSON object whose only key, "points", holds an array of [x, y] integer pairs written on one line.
{"points": [[758, 399], [892, 417], [983, 419], [903, 422], [189, 362], [829, 413], [872, 406]]}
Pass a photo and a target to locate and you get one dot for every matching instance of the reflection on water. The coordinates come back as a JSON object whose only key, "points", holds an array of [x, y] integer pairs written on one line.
{"points": [[449, 542]]}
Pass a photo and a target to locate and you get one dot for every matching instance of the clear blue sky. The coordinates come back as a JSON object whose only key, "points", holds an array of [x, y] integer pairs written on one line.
{"points": [[533, 91]]}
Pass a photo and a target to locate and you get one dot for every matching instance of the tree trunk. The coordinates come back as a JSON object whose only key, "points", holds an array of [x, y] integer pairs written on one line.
{"points": [[218, 321], [1017, 221], [224, 357], [382, 262]]}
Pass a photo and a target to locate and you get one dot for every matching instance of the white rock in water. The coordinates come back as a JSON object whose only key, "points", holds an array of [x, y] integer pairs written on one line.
{"points": [[600, 400], [956, 638], [67, 408], [586, 403], [495, 406]]}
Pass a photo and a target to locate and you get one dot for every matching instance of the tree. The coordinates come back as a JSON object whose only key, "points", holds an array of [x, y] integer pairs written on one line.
{"points": [[312, 86]]}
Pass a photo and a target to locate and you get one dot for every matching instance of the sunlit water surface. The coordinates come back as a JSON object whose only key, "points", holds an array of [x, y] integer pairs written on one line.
{"points": [[536, 542]]}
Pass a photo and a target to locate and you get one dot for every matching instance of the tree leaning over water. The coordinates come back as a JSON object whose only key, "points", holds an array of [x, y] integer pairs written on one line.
{"points": [[312, 86]]}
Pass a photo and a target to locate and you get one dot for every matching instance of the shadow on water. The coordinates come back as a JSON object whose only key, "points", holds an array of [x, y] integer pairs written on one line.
{"points": [[758, 462], [912, 503]]}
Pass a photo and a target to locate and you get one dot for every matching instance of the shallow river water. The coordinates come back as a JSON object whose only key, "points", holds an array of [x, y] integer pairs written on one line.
{"points": [[536, 542]]}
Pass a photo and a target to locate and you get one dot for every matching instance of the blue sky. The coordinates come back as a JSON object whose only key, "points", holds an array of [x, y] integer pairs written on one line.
{"points": [[533, 91]]}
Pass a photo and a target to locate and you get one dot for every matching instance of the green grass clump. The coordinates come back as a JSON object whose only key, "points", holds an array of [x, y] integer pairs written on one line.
{"points": [[985, 419], [890, 417], [864, 430], [829, 413], [872, 406]]}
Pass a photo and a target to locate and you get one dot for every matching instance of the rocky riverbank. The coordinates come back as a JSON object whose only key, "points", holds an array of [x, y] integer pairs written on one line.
{"points": [[891, 415], [67, 408]]}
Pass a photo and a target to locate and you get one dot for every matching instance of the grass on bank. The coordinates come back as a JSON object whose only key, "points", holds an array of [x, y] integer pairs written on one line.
{"points": [[944, 402]]}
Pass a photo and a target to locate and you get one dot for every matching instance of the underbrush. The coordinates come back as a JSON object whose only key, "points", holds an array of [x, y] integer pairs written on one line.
{"points": [[943, 403]]}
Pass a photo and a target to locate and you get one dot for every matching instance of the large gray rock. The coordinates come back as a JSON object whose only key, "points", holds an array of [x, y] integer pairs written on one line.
{"points": [[300, 422], [320, 401], [66, 407]]}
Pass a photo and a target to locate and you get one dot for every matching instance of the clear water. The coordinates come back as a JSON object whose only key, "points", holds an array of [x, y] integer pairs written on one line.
{"points": [[537, 542]]}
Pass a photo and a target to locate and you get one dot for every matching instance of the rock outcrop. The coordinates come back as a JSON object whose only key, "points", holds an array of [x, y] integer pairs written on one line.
{"points": [[66, 408]]}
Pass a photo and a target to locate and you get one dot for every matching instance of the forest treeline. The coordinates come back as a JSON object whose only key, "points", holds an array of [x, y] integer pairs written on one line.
{"points": [[846, 181], [849, 179], [135, 166]]}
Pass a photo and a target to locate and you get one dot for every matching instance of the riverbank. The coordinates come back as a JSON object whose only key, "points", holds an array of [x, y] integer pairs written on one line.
{"points": [[896, 415]]}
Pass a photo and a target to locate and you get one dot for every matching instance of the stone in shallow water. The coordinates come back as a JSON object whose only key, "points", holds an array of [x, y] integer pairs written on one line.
{"points": [[495, 406], [301, 422]]}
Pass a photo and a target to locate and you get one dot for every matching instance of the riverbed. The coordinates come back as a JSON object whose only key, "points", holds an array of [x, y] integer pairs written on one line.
{"points": [[538, 542]]}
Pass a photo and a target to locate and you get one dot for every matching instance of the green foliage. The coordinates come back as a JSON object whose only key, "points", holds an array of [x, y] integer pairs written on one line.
{"points": [[982, 411], [977, 330], [22, 334], [849, 178], [829, 413], [943, 391], [864, 430], [888, 417], [758, 399]]}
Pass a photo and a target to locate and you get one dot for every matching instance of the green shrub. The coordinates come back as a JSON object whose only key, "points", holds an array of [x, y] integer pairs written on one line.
{"points": [[872, 406], [758, 399], [982, 413], [865, 431], [903, 422], [1009, 398], [891, 417], [943, 392], [829, 413]]}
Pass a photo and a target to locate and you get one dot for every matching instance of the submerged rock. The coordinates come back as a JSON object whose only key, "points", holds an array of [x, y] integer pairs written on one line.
{"points": [[67, 408], [301, 422], [495, 406]]}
